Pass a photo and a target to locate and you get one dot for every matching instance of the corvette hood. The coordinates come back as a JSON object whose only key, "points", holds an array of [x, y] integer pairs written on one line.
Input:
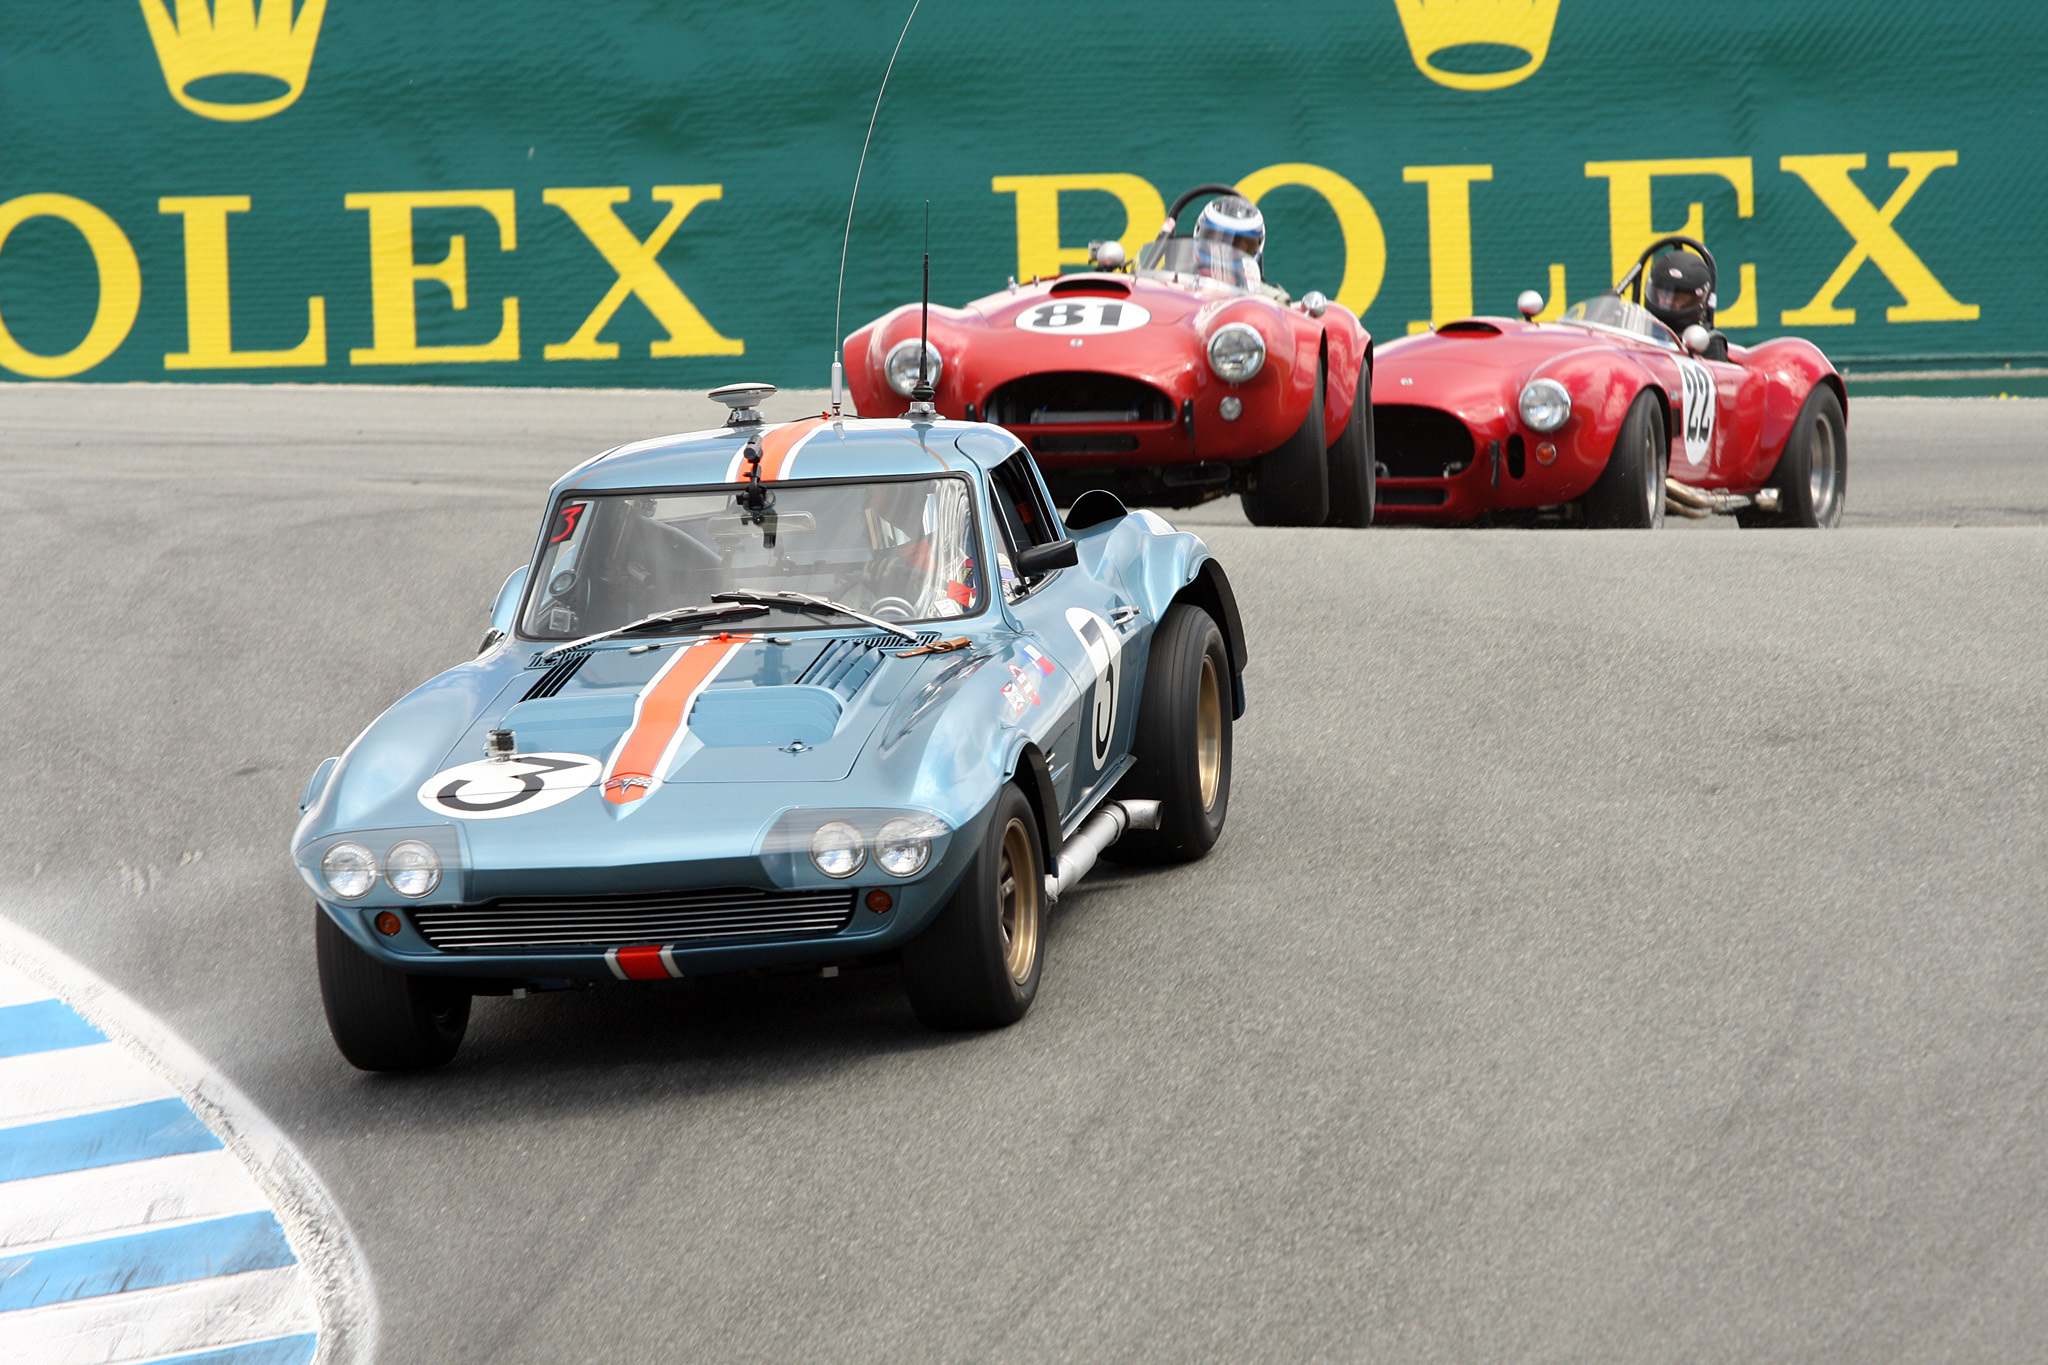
{"points": [[717, 710]]}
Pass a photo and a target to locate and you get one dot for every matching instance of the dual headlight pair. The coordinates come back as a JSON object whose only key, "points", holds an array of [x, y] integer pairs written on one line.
{"points": [[902, 846], [411, 868]]}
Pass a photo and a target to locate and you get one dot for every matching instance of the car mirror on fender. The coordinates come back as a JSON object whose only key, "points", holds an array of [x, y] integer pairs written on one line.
{"points": [[1054, 554]]}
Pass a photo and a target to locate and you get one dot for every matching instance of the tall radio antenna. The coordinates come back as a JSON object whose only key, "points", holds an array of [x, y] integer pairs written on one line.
{"points": [[839, 298]]}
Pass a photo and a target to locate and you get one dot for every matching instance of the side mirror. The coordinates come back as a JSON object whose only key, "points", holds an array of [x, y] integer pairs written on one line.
{"points": [[1697, 339], [1530, 304], [1056, 554], [506, 604], [1314, 303]]}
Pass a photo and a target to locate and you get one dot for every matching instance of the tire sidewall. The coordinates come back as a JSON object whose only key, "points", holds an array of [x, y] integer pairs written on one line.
{"points": [[1290, 485]]}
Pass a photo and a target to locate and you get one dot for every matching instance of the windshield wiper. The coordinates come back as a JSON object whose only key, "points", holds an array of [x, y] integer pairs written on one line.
{"points": [[676, 616], [804, 600]]}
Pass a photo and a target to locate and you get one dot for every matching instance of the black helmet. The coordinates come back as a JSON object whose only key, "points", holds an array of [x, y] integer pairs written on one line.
{"points": [[1677, 290]]}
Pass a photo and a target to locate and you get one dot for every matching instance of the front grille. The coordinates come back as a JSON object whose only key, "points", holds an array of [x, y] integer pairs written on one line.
{"points": [[1076, 397], [1412, 497], [1092, 443], [598, 922], [1419, 443]]}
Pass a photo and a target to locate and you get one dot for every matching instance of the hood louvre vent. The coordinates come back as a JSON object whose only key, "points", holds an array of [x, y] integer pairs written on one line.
{"points": [[557, 676], [846, 665]]}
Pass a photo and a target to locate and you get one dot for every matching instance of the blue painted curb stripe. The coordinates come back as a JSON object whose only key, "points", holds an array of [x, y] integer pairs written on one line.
{"points": [[43, 1026], [112, 1136], [277, 1351], [145, 1260]]}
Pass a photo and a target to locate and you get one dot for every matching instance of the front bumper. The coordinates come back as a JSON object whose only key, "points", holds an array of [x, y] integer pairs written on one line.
{"points": [[703, 915]]}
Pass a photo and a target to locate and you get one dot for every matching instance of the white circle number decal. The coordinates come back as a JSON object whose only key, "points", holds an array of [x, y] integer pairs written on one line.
{"points": [[1105, 655], [1698, 409], [491, 789], [1083, 317]]}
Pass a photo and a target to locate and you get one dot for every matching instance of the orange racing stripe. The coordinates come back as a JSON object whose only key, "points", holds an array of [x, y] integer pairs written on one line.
{"points": [[660, 718], [779, 446]]}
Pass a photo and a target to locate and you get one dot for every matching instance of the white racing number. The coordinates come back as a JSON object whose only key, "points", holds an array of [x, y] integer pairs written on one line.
{"points": [[1698, 382], [1105, 656], [1083, 317], [490, 789]]}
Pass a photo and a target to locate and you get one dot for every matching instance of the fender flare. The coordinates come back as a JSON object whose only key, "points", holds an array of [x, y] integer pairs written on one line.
{"points": [[1210, 590], [1033, 776]]}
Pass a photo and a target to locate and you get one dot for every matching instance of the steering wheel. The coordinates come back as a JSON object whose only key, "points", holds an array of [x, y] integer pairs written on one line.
{"points": [[883, 606], [1632, 283]]}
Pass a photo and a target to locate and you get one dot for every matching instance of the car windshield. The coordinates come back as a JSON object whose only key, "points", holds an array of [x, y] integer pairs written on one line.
{"points": [[900, 550], [1617, 314], [1184, 258]]}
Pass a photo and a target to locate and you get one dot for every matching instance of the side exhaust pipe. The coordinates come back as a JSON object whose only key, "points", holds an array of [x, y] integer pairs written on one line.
{"points": [[1688, 501], [1097, 832]]}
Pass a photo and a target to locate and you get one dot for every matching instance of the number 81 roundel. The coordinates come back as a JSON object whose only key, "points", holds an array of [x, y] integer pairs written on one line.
{"points": [[1083, 317]]}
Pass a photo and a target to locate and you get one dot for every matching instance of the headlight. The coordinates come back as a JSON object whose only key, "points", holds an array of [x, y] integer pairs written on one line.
{"points": [[901, 366], [412, 868], [1545, 405], [904, 846], [350, 870], [838, 849], [1236, 352]]}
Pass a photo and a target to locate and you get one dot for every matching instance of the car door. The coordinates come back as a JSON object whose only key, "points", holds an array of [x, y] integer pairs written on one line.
{"points": [[1077, 627], [1710, 402]]}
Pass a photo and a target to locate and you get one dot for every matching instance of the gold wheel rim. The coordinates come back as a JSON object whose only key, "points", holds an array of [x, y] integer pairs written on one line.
{"points": [[1209, 733], [1017, 895]]}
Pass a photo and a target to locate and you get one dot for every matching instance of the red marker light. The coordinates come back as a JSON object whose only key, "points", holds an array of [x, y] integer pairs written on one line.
{"points": [[387, 923], [880, 901]]}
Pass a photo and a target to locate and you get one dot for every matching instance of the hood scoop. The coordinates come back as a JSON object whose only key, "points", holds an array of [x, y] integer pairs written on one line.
{"points": [[1092, 284], [1470, 327], [790, 716]]}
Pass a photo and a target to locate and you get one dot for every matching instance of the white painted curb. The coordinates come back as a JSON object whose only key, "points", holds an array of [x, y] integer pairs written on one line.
{"points": [[318, 1232]]}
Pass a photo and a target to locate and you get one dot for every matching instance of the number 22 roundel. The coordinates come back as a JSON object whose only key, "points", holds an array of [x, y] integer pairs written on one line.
{"points": [[491, 789], [1105, 656], [1698, 410]]}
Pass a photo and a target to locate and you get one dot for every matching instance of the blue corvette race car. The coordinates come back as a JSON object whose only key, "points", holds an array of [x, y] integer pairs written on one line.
{"points": [[778, 696]]}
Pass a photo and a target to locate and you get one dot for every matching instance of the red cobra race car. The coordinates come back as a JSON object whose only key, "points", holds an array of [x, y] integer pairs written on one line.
{"points": [[1605, 418], [1180, 380]]}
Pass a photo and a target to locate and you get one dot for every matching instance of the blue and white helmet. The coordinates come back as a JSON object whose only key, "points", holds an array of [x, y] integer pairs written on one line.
{"points": [[1231, 221]]}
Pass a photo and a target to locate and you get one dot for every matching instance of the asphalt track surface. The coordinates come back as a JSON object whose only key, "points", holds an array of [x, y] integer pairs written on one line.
{"points": [[1623, 947]]}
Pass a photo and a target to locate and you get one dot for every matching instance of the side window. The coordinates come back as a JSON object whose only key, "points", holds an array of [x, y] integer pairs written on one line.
{"points": [[1026, 519]]}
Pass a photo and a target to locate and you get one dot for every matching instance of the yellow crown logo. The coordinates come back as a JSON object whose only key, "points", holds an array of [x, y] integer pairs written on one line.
{"points": [[1436, 27], [234, 39]]}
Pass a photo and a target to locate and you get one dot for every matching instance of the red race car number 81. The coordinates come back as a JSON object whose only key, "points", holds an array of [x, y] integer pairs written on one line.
{"points": [[1083, 317]]}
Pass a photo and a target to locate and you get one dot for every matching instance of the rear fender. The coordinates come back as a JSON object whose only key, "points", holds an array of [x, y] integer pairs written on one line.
{"points": [[1790, 368]]}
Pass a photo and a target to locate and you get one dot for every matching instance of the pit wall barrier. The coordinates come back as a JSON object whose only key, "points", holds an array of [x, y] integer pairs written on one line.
{"points": [[625, 195]]}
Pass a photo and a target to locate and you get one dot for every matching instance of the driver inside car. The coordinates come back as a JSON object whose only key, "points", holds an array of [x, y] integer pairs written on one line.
{"points": [[1230, 243], [1678, 291]]}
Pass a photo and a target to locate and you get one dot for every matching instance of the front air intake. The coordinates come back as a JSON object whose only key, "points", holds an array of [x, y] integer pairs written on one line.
{"points": [[1076, 398], [1420, 443], [596, 923]]}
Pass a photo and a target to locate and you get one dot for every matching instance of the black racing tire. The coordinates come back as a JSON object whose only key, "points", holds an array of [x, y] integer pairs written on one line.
{"points": [[1812, 476], [383, 1019], [1354, 464], [976, 966], [1629, 495], [1290, 485], [1183, 742]]}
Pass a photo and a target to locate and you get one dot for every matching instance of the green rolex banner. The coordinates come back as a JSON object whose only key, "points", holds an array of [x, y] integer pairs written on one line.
{"points": [[619, 194]]}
